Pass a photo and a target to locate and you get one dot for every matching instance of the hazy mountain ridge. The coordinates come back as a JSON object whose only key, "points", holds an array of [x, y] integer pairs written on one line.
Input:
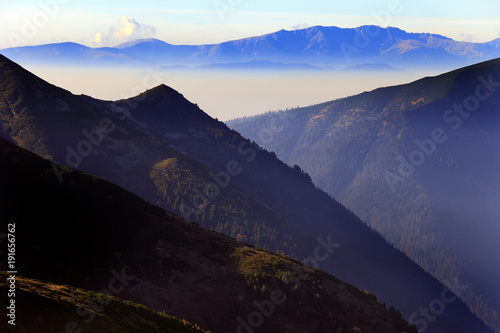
{"points": [[137, 153], [317, 46], [443, 212]]}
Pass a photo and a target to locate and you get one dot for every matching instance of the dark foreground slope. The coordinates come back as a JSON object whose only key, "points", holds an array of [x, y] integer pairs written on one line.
{"points": [[48, 307], [419, 163], [165, 149], [95, 136], [89, 233]]}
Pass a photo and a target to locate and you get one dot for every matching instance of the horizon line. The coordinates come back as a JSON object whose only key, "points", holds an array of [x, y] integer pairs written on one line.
{"points": [[248, 37]]}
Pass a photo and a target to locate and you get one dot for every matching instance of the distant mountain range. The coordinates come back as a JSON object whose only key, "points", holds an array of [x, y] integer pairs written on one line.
{"points": [[258, 65], [166, 150], [319, 46], [419, 162]]}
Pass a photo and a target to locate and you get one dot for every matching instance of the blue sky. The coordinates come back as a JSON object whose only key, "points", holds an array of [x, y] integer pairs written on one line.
{"points": [[99, 23]]}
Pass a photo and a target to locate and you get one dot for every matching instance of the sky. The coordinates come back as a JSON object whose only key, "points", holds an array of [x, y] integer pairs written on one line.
{"points": [[109, 23]]}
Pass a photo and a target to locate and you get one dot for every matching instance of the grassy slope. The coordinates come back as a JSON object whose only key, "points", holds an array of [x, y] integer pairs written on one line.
{"points": [[48, 307]]}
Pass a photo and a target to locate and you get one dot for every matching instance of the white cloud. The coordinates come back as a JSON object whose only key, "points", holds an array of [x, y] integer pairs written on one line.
{"points": [[301, 26], [98, 39], [466, 37], [126, 29], [130, 28]]}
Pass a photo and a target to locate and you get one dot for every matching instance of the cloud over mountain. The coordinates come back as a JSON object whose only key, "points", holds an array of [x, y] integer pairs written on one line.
{"points": [[126, 29]]}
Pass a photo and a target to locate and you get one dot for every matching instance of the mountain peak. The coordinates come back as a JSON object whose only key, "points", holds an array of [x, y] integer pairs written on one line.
{"points": [[163, 109], [4, 61], [18, 82], [161, 94], [135, 42]]}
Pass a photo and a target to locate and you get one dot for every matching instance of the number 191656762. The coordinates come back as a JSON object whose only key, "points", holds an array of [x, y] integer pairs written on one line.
{"points": [[11, 247], [11, 279]]}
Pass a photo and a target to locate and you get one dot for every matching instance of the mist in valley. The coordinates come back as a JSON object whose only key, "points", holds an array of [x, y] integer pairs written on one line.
{"points": [[225, 94]]}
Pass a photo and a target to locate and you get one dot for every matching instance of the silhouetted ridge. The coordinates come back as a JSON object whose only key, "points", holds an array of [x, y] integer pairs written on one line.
{"points": [[164, 109], [161, 94]]}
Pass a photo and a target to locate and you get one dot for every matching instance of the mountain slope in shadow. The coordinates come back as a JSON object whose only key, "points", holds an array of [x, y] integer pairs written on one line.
{"points": [[86, 232], [419, 162], [47, 307]]}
